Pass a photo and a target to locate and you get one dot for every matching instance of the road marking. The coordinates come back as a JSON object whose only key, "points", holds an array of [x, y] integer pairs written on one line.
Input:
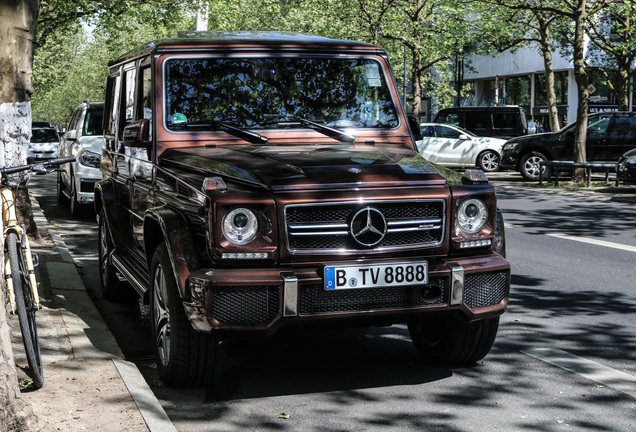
{"points": [[509, 225], [595, 242], [617, 380]]}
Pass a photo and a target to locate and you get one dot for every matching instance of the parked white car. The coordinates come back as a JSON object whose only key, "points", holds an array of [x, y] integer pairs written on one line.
{"points": [[44, 144], [452, 146], [82, 139]]}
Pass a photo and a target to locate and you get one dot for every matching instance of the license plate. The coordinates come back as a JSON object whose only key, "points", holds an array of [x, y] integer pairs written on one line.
{"points": [[373, 276]]}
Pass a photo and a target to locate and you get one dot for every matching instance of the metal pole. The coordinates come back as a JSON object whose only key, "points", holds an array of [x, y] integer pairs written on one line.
{"points": [[405, 85]]}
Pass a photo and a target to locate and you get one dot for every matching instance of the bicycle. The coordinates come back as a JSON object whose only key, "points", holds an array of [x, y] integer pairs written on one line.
{"points": [[19, 263]]}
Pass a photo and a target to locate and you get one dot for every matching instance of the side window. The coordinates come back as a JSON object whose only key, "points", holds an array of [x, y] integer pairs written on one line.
{"points": [[146, 88], [446, 132], [112, 104], [477, 120], [598, 126], [146, 95], [428, 131], [129, 95], [450, 118], [624, 125], [504, 120]]}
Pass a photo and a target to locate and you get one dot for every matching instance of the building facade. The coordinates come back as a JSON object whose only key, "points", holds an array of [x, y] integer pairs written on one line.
{"points": [[518, 78]]}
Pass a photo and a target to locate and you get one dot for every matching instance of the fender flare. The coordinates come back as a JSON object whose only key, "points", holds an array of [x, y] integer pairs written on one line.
{"points": [[172, 227], [106, 199]]}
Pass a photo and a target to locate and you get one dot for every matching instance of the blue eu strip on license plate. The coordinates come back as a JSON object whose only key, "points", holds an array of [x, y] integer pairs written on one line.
{"points": [[372, 276]]}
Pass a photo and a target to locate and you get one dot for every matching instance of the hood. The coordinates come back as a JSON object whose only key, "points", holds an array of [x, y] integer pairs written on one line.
{"points": [[529, 138], [629, 153], [308, 167], [91, 143]]}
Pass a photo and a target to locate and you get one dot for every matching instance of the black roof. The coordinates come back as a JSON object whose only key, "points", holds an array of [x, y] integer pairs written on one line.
{"points": [[197, 39]]}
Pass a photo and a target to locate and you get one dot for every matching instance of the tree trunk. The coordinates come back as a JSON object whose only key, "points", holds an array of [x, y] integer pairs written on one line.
{"points": [[622, 93], [544, 30], [580, 76], [416, 80], [18, 21]]}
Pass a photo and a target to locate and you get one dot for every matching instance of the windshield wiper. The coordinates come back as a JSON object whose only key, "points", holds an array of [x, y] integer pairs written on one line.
{"points": [[325, 130], [252, 137]]}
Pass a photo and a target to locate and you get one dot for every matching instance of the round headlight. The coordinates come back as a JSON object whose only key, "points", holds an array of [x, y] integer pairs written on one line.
{"points": [[240, 226], [472, 215]]}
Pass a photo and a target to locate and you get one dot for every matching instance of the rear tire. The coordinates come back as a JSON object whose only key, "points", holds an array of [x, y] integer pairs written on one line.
{"points": [[185, 357], [112, 288], [25, 309], [530, 167], [61, 198], [488, 161], [453, 342]]}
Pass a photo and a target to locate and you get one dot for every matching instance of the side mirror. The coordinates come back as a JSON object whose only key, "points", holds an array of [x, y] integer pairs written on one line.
{"points": [[137, 134], [416, 129], [464, 137], [71, 135]]}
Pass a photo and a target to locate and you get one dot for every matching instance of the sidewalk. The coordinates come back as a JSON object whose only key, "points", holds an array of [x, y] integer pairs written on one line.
{"points": [[87, 383], [511, 180]]}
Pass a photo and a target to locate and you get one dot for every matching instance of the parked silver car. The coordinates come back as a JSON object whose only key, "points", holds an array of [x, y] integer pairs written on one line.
{"points": [[44, 144], [82, 139]]}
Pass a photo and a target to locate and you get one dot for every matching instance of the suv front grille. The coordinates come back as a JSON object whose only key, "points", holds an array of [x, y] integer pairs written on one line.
{"points": [[245, 304], [327, 227], [314, 299], [485, 289]]}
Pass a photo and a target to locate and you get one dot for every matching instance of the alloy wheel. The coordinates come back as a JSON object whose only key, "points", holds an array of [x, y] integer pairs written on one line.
{"points": [[161, 315]]}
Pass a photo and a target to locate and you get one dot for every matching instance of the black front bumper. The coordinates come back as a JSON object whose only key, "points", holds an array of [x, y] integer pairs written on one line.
{"points": [[229, 302]]}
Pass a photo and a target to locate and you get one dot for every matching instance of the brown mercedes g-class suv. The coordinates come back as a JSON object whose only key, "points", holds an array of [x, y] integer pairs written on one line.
{"points": [[258, 180]]}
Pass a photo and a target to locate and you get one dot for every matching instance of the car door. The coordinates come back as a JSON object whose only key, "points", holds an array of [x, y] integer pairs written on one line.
{"points": [[425, 146], [115, 166], [597, 142], [621, 137], [450, 149], [141, 167]]}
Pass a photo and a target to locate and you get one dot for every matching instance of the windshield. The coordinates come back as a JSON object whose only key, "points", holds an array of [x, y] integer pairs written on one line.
{"points": [[263, 93], [44, 136]]}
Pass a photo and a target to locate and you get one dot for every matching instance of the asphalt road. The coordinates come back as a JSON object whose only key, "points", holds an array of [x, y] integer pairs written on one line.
{"points": [[573, 303]]}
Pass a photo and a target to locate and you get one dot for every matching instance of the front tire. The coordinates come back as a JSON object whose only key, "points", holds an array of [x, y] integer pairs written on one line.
{"points": [[452, 342], [185, 357], [25, 309], [530, 168], [77, 209], [112, 287], [488, 161]]}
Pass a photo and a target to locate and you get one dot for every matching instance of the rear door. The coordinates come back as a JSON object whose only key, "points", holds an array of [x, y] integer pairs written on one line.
{"points": [[621, 137]]}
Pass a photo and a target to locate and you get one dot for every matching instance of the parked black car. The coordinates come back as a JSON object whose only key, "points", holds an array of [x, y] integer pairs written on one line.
{"points": [[498, 122], [609, 135], [627, 167]]}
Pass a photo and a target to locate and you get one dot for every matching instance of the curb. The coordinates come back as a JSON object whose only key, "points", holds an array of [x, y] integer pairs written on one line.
{"points": [[147, 403]]}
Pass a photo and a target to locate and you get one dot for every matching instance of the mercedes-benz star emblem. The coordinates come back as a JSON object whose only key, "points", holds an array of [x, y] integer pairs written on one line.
{"points": [[368, 226]]}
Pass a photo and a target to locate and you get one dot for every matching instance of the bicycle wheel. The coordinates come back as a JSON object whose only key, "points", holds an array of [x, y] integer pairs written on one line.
{"points": [[25, 309]]}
